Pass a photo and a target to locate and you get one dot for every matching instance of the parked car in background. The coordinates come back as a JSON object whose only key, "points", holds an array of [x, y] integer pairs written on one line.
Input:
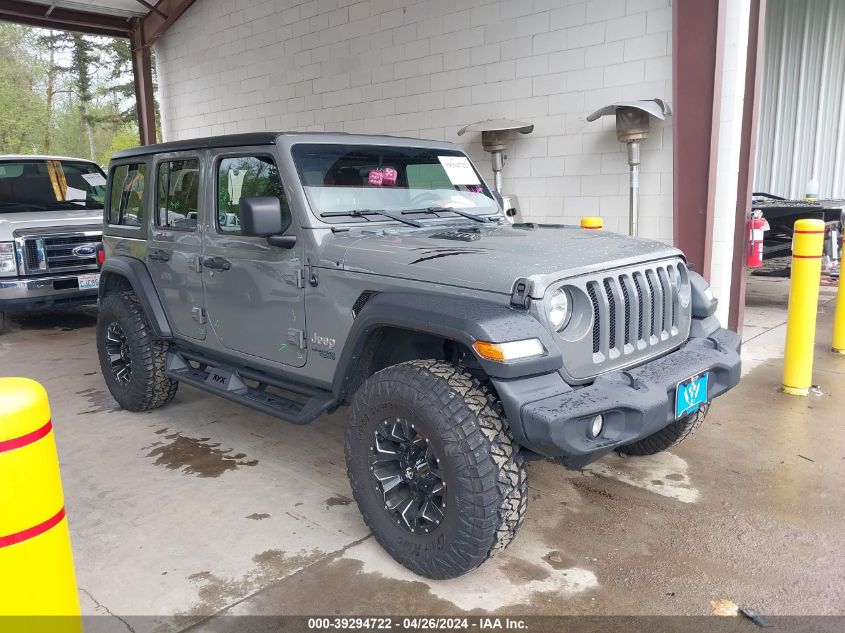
{"points": [[51, 217]]}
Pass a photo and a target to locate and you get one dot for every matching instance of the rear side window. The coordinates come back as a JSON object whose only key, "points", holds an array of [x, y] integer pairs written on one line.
{"points": [[177, 199], [127, 194], [246, 177]]}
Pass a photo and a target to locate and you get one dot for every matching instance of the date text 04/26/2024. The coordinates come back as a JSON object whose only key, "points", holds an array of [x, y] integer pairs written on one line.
{"points": [[416, 624]]}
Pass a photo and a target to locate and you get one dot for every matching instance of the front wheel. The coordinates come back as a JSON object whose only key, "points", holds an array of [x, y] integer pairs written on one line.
{"points": [[132, 359], [669, 436], [434, 468]]}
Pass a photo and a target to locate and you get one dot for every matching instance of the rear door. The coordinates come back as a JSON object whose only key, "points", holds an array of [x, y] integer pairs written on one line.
{"points": [[175, 245], [254, 292]]}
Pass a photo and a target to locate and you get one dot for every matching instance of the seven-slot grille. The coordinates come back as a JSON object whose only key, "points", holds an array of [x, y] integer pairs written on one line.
{"points": [[54, 253], [634, 309]]}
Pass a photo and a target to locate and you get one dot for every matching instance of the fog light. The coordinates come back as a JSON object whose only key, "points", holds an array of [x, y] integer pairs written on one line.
{"points": [[596, 427]]}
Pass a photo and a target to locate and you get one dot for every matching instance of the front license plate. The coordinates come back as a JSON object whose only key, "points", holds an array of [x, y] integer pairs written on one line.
{"points": [[691, 394], [89, 282]]}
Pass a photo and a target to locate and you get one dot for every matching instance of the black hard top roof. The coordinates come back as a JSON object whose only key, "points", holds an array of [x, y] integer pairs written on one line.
{"points": [[228, 140]]}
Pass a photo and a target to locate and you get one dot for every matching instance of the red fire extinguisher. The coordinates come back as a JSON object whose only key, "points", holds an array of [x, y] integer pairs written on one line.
{"points": [[755, 227]]}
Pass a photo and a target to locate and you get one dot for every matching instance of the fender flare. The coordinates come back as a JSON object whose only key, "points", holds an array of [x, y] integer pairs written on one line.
{"points": [[461, 319], [135, 272]]}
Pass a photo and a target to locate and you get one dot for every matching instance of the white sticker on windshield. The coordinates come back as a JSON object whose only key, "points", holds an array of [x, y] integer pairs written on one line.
{"points": [[75, 195], [95, 180], [459, 170]]}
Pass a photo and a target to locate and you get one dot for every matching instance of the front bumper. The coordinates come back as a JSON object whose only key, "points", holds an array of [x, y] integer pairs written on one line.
{"points": [[39, 293], [550, 417]]}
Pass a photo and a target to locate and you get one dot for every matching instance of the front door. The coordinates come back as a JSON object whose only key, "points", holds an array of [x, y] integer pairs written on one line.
{"points": [[254, 292], [175, 247]]}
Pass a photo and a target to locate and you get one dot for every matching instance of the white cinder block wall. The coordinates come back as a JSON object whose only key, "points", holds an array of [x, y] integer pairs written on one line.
{"points": [[428, 67]]}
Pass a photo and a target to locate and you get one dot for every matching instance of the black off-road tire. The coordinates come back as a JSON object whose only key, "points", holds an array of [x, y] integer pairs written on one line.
{"points": [[148, 387], [668, 436], [486, 488]]}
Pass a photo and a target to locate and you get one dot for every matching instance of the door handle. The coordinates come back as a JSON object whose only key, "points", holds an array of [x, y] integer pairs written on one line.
{"points": [[159, 255], [216, 263]]}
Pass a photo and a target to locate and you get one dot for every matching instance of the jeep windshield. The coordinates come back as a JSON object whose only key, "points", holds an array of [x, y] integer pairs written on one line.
{"points": [[371, 183], [50, 185]]}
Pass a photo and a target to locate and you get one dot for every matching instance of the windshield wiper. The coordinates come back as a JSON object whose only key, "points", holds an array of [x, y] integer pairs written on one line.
{"points": [[362, 213], [436, 210]]}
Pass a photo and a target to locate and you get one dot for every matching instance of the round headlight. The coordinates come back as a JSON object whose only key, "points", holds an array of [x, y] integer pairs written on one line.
{"points": [[559, 312]]}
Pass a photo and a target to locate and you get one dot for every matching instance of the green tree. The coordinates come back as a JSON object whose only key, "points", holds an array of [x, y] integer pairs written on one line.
{"points": [[22, 106], [65, 93], [83, 56], [52, 44]]}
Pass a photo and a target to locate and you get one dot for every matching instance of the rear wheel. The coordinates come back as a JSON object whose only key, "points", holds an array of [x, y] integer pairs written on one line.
{"points": [[434, 467], [669, 436], [132, 359]]}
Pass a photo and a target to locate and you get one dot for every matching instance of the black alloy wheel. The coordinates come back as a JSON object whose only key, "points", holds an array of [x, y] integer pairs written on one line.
{"points": [[132, 359], [407, 473], [120, 356]]}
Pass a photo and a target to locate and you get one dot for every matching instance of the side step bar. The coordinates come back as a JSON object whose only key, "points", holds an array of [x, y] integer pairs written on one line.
{"points": [[228, 382]]}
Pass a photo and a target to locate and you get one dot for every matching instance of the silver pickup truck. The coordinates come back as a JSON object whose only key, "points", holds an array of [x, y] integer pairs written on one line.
{"points": [[51, 217]]}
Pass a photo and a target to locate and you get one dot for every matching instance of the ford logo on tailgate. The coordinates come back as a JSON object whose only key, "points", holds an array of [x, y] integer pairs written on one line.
{"points": [[84, 251]]}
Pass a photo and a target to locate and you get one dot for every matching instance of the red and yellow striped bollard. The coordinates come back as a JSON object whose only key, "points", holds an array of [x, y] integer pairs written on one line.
{"points": [[37, 577]]}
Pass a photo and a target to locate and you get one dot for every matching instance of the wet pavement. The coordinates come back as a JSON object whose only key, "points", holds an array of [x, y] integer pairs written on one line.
{"points": [[204, 508]]}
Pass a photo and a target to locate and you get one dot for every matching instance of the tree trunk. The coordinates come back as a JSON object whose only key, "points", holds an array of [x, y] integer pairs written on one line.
{"points": [[51, 87], [89, 130], [82, 61]]}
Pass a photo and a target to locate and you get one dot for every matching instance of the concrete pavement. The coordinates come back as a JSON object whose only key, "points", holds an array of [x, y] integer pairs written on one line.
{"points": [[205, 508]]}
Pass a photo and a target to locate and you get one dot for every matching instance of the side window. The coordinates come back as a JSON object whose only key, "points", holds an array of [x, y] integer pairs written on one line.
{"points": [[127, 194], [245, 177], [177, 197]]}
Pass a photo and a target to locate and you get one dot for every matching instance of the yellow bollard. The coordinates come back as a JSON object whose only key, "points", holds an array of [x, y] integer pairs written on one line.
{"points": [[807, 246], [838, 345], [592, 222], [36, 565]]}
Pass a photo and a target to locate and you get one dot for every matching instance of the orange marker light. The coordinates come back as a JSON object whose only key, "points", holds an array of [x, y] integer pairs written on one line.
{"points": [[512, 350], [490, 351]]}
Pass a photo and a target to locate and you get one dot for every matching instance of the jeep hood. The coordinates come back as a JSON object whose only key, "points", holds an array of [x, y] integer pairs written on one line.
{"points": [[22, 222], [491, 258]]}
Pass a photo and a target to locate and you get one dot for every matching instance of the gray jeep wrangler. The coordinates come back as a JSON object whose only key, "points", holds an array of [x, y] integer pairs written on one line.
{"points": [[295, 273]]}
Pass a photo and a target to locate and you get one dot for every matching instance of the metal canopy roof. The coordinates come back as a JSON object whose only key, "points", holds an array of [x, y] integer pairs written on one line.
{"points": [[114, 18], [118, 8]]}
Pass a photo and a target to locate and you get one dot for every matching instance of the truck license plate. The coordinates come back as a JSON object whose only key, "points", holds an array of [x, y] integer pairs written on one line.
{"points": [[691, 394], [89, 282]]}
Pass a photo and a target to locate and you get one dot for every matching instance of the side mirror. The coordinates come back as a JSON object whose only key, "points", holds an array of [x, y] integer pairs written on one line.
{"points": [[261, 216]]}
